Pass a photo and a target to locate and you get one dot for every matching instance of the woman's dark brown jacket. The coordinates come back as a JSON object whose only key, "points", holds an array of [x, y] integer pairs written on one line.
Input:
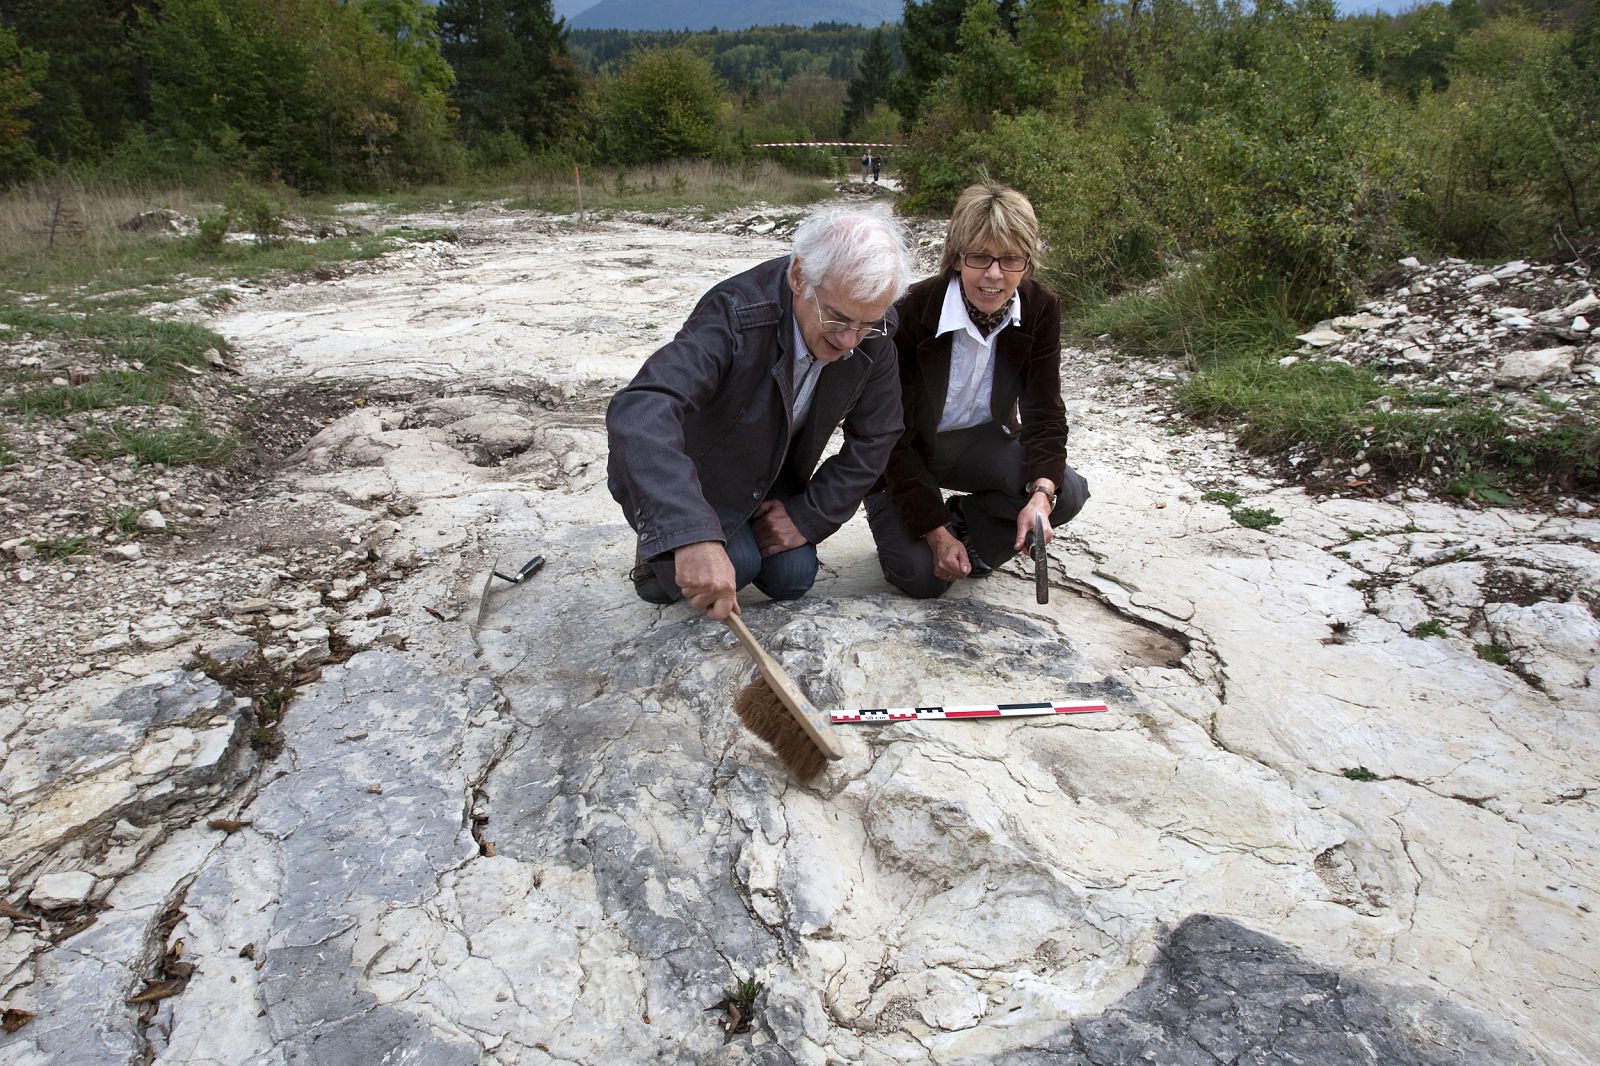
{"points": [[1026, 400]]}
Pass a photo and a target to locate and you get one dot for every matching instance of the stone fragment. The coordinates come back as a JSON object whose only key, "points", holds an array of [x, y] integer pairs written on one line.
{"points": [[1482, 281], [1321, 337], [69, 888], [1525, 369], [1411, 262], [152, 520], [1361, 321], [157, 631], [1581, 306], [116, 640], [1558, 643], [1511, 269]]}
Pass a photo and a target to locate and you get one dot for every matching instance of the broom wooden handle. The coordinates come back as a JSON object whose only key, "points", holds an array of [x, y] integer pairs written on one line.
{"points": [[807, 717]]}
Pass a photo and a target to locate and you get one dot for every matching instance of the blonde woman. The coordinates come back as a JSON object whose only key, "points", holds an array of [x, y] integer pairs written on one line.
{"points": [[980, 383]]}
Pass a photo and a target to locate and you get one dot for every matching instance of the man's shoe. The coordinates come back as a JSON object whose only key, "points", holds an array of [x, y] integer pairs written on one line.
{"points": [[958, 526], [647, 585]]}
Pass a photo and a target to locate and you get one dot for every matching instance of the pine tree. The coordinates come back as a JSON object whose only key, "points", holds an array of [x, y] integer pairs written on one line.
{"points": [[870, 84], [513, 73]]}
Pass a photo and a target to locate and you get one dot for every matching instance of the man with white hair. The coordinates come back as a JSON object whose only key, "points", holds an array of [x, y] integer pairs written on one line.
{"points": [[715, 444]]}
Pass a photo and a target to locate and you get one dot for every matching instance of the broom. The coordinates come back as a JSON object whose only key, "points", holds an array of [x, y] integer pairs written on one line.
{"points": [[774, 709]]}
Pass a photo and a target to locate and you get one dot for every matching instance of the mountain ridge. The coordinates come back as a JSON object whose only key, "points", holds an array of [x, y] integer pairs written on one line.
{"points": [[723, 14]]}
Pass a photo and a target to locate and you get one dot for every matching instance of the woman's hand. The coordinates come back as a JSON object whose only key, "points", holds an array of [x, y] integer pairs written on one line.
{"points": [[949, 555]]}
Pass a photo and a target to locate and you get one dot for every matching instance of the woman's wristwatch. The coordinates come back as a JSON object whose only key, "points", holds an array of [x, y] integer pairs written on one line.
{"points": [[1038, 486]]}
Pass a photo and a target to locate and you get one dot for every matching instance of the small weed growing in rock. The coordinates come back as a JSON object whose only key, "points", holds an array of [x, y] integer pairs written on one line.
{"points": [[61, 548], [1492, 653], [7, 457], [1255, 517], [1431, 628], [739, 1007], [1479, 486], [1359, 773], [1224, 497], [122, 519], [1358, 534], [745, 995]]}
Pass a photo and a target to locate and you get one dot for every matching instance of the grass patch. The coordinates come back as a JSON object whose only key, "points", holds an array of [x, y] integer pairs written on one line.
{"points": [[1255, 517], [157, 351], [712, 187], [1224, 497], [1492, 653], [1359, 773], [7, 457], [1232, 337], [99, 264], [124, 520], [119, 389], [190, 442], [60, 548], [1431, 628]]}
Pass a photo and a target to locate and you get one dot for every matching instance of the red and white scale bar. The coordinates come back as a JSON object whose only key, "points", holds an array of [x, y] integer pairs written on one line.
{"points": [[879, 715]]}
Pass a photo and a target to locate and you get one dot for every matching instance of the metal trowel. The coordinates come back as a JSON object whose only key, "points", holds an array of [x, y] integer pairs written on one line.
{"points": [[529, 568]]}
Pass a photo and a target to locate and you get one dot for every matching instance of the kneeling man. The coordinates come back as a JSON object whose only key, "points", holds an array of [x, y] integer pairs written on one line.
{"points": [[715, 444]]}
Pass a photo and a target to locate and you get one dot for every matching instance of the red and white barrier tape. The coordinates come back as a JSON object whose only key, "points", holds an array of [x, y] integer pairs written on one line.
{"points": [[880, 715]]}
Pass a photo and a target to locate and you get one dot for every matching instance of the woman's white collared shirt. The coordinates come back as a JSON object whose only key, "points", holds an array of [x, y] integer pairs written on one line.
{"points": [[967, 397]]}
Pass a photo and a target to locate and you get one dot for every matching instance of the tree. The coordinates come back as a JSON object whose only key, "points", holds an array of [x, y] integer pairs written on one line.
{"points": [[21, 71], [94, 85], [513, 73], [870, 84], [928, 43], [314, 93], [665, 105]]}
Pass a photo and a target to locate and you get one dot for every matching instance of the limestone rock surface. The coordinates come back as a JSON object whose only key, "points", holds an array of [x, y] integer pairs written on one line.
{"points": [[1342, 807]]}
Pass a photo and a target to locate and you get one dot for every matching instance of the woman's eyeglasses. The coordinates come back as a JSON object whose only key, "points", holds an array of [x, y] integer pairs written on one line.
{"points": [[1011, 264]]}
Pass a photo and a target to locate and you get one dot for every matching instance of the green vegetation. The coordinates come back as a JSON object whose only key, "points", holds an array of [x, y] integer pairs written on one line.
{"points": [[1492, 653], [1249, 517], [1214, 177], [1255, 517], [189, 442], [153, 356], [1431, 628], [123, 520], [60, 548], [1359, 773]]}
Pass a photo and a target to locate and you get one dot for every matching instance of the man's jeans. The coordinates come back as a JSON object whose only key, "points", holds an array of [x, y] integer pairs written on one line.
{"points": [[787, 575]]}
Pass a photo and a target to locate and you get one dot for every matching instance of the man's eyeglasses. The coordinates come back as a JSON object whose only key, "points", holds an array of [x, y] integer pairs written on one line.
{"points": [[1011, 264], [833, 325]]}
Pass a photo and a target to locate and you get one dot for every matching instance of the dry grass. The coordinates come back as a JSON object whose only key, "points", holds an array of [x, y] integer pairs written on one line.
{"points": [[81, 215]]}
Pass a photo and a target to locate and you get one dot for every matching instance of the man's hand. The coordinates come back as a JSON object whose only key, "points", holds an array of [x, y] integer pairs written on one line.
{"points": [[705, 574], [775, 531], [1038, 504], [949, 555]]}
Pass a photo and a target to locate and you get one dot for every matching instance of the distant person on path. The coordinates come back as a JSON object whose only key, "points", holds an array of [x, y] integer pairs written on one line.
{"points": [[866, 164], [877, 168], [714, 445], [980, 373]]}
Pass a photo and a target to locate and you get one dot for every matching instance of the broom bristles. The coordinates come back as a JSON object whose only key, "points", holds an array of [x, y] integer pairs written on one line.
{"points": [[765, 715]]}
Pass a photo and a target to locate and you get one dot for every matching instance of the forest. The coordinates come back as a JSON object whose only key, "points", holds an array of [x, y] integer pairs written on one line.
{"points": [[1291, 149]]}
